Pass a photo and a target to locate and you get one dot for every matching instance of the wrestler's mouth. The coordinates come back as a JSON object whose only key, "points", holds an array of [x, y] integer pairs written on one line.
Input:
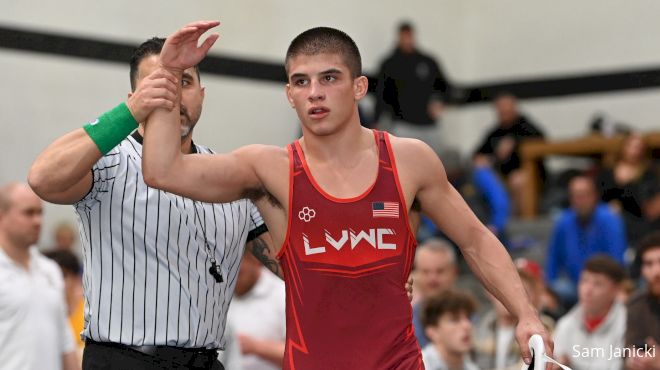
{"points": [[318, 112]]}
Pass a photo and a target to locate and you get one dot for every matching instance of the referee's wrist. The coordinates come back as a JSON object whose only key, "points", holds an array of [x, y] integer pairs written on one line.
{"points": [[111, 128]]}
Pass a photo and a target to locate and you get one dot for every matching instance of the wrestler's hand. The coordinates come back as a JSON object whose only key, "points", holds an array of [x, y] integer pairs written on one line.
{"points": [[157, 90], [180, 50], [409, 287], [529, 325]]}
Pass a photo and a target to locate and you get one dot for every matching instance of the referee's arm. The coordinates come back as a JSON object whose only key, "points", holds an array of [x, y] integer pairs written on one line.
{"points": [[62, 173]]}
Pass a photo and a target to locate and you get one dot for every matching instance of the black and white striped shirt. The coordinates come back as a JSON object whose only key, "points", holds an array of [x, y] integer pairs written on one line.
{"points": [[146, 268]]}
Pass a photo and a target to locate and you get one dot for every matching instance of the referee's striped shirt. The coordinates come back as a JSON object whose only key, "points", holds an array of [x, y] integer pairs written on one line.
{"points": [[146, 277]]}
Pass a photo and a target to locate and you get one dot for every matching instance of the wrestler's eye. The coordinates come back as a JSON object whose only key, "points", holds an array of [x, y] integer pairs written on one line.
{"points": [[300, 82], [329, 78]]}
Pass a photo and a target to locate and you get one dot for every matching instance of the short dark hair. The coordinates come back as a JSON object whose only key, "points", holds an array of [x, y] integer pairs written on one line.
{"points": [[406, 26], [650, 241], [450, 301], [67, 261], [153, 46], [321, 40], [605, 265]]}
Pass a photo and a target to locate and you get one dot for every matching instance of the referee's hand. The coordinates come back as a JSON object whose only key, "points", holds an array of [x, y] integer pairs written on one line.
{"points": [[157, 90]]}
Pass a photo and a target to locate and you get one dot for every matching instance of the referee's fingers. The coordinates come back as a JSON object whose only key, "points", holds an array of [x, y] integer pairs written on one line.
{"points": [[162, 73]]}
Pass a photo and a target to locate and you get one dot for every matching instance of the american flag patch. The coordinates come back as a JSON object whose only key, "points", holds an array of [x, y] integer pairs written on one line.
{"points": [[385, 209]]}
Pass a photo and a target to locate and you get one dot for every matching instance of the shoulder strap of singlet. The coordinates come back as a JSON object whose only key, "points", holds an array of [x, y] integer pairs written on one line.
{"points": [[295, 154], [383, 151]]}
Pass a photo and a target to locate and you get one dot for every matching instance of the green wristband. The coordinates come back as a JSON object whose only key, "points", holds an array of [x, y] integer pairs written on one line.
{"points": [[111, 128]]}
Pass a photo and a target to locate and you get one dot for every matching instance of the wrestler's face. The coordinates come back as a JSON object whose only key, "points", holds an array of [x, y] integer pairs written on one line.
{"points": [[192, 93], [323, 92]]}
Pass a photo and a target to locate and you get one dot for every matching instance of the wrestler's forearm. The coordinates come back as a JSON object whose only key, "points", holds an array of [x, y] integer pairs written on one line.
{"points": [[492, 264]]}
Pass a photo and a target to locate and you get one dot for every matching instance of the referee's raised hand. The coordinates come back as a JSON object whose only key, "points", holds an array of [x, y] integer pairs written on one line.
{"points": [[181, 48]]}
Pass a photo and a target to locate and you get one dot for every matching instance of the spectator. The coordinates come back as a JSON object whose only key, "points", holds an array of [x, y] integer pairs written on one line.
{"points": [[34, 332], [73, 291], [585, 228], [446, 319], [482, 190], [502, 143], [549, 303], [496, 346], [410, 88], [258, 315], [643, 326], [587, 336], [629, 183], [435, 272], [65, 237]]}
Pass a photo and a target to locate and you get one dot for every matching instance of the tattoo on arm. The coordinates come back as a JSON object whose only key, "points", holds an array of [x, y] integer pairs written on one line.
{"points": [[262, 252]]}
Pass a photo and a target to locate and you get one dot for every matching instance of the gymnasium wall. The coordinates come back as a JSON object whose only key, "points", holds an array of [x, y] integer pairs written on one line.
{"points": [[479, 43]]}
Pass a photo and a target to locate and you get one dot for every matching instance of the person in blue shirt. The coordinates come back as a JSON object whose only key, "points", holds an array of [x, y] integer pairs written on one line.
{"points": [[587, 227], [483, 191]]}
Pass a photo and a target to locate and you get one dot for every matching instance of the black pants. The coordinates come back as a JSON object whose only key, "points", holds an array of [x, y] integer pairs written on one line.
{"points": [[99, 356]]}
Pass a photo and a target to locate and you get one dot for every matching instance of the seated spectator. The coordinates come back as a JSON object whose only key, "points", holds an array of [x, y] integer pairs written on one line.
{"points": [[482, 190], [587, 227], [65, 237], [496, 346], [257, 314], [651, 210], [643, 325], [502, 143], [435, 272], [587, 336], [549, 303], [628, 184], [446, 320], [73, 291], [486, 195]]}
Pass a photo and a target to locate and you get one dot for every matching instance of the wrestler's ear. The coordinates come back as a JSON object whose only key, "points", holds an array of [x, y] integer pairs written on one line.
{"points": [[287, 91], [360, 87]]}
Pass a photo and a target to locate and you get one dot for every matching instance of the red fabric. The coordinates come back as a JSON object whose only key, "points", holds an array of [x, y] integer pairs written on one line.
{"points": [[345, 271], [592, 323]]}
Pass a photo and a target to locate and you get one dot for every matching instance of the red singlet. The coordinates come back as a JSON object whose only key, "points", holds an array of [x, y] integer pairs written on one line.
{"points": [[346, 262]]}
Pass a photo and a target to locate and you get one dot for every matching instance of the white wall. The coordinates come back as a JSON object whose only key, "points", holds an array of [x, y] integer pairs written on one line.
{"points": [[479, 41]]}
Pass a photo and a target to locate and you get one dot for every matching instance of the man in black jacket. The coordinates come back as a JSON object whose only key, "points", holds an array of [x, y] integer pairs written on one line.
{"points": [[411, 88], [502, 143]]}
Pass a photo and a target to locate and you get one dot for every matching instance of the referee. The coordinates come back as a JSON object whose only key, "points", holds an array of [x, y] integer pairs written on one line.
{"points": [[159, 269]]}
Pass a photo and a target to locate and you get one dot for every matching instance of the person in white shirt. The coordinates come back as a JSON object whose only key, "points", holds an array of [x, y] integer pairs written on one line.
{"points": [[258, 315], [591, 335], [446, 320], [34, 331]]}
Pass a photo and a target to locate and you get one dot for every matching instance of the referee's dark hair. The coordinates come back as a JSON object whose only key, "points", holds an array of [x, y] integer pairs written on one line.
{"points": [[67, 261], [153, 46]]}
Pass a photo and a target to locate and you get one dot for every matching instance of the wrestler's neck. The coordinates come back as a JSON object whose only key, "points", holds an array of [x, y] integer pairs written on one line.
{"points": [[340, 145], [17, 253]]}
